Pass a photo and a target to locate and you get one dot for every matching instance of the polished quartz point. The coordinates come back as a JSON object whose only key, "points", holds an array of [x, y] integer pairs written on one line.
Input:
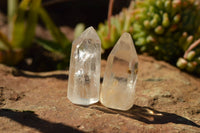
{"points": [[120, 76], [84, 73]]}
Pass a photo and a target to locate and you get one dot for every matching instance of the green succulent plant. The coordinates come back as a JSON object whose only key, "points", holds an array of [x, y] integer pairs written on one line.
{"points": [[191, 59], [162, 28], [23, 19]]}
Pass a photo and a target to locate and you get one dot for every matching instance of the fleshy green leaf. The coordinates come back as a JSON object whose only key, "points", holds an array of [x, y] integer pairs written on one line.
{"points": [[79, 29], [19, 24], [49, 45], [55, 32], [31, 23], [24, 31], [4, 42]]}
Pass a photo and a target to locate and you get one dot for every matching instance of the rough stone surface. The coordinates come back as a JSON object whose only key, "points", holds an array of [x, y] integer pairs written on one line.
{"points": [[167, 100]]}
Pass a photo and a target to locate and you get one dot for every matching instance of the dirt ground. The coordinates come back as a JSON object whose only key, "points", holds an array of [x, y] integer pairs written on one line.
{"points": [[167, 100]]}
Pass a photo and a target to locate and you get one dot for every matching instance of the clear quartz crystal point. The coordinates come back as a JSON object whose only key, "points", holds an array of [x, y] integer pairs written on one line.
{"points": [[120, 76], [84, 73]]}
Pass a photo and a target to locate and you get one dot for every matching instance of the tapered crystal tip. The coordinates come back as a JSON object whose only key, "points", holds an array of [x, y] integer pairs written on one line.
{"points": [[120, 76], [84, 73]]}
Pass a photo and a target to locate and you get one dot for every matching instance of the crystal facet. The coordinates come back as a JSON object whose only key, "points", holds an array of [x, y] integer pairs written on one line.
{"points": [[84, 73], [120, 76]]}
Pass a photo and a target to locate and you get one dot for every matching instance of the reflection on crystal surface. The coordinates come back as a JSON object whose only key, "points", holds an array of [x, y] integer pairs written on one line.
{"points": [[84, 74], [118, 86]]}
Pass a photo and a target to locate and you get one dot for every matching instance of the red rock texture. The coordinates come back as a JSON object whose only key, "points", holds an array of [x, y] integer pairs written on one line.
{"points": [[167, 100]]}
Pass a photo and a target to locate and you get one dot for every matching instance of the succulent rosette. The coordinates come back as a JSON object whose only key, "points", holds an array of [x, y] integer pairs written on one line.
{"points": [[163, 28]]}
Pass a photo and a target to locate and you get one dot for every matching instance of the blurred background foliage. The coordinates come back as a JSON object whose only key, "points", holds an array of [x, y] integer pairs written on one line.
{"points": [[169, 30], [23, 19], [41, 31], [22, 47]]}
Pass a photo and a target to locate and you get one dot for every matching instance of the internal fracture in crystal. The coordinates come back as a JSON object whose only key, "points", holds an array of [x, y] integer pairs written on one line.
{"points": [[120, 76], [84, 73]]}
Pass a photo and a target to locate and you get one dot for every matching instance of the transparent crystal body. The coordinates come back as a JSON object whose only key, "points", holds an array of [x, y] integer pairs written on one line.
{"points": [[84, 73], [120, 76]]}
